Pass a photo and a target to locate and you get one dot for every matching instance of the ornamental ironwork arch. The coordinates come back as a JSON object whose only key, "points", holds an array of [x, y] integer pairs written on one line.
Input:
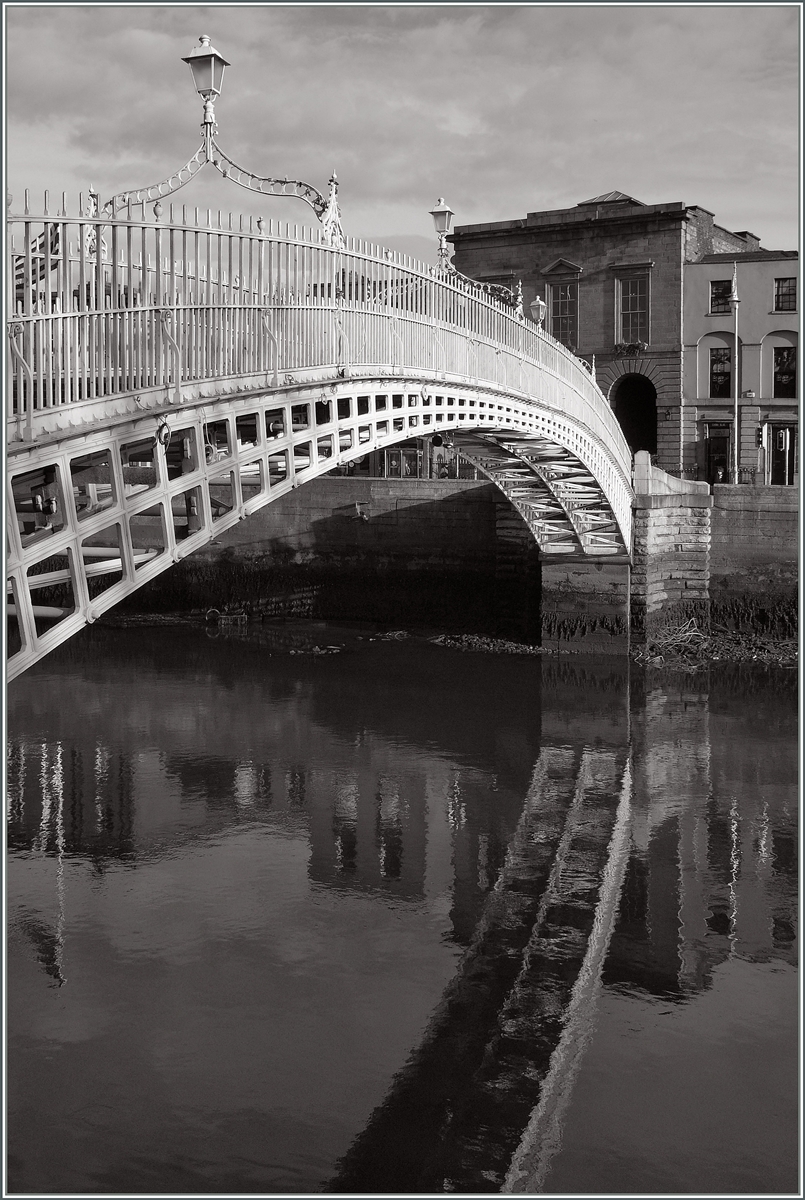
{"points": [[325, 207]]}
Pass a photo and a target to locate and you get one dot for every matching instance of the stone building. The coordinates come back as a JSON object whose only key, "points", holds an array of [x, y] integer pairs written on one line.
{"points": [[611, 271], [766, 285]]}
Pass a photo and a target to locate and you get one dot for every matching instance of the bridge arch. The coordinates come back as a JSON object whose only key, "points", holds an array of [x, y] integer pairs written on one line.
{"points": [[156, 401]]}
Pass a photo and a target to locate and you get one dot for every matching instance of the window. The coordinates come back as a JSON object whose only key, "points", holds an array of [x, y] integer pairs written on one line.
{"points": [[785, 373], [785, 295], [720, 292], [565, 313], [634, 309], [720, 372]]}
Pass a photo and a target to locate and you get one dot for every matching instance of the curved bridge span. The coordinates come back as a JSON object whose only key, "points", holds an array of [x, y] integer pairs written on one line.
{"points": [[168, 379]]}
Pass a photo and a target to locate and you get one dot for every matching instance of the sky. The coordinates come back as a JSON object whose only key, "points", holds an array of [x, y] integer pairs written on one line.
{"points": [[501, 109]]}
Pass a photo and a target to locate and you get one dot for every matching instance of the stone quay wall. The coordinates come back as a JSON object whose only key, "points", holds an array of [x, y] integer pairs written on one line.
{"points": [[754, 561], [455, 555], [451, 554], [392, 551], [729, 558]]}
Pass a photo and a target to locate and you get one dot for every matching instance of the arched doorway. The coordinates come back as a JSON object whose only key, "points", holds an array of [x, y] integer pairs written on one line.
{"points": [[635, 405]]}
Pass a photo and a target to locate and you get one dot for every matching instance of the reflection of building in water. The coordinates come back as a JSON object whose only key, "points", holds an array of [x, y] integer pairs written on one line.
{"points": [[80, 796], [368, 827], [713, 870], [428, 809], [389, 764], [415, 825]]}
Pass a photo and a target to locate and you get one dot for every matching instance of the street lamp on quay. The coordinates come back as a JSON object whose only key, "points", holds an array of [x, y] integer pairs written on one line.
{"points": [[734, 301], [207, 67]]}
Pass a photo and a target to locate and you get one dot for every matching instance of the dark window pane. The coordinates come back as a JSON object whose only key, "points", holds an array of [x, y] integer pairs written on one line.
{"points": [[720, 372], [785, 372]]}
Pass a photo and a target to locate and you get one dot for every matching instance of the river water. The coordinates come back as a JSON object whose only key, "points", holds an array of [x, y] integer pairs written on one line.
{"points": [[310, 910]]}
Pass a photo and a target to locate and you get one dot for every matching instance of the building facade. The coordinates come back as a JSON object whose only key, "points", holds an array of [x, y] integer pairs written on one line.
{"points": [[766, 284], [612, 274]]}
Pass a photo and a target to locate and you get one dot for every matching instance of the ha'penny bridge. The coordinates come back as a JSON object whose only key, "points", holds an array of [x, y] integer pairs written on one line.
{"points": [[170, 373]]}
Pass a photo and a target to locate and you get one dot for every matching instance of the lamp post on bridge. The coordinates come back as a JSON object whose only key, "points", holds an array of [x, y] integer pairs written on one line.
{"points": [[443, 215], [442, 220], [538, 310], [207, 67]]}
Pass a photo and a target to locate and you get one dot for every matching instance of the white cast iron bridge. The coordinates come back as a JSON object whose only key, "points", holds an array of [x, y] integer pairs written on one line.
{"points": [[169, 374]]}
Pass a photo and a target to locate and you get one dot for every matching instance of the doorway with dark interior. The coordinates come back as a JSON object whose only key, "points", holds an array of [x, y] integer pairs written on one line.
{"points": [[635, 406]]}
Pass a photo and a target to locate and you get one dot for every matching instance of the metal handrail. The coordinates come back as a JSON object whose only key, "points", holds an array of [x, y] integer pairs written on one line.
{"points": [[90, 330]]}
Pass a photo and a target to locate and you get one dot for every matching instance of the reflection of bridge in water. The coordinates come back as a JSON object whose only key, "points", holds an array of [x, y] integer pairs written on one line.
{"points": [[170, 375], [616, 855]]}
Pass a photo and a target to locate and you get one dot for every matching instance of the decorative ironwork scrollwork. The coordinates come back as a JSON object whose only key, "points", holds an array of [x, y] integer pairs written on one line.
{"points": [[15, 329], [158, 190], [325, 208], [497, 290], [168, 326]]}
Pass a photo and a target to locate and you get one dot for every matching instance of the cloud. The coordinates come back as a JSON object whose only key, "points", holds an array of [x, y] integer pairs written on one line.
{"points": [[502, 109]]}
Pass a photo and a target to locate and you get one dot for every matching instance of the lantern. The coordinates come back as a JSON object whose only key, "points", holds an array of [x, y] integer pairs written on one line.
{"points": [[207, 68]]}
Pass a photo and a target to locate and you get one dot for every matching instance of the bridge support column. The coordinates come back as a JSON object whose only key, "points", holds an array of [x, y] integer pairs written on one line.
{"points": [[671, 574], [585, 605]]}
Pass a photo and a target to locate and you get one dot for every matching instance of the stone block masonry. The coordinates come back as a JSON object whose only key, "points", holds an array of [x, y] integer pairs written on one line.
{"points": [[671, 571], [410, 525], [755, 531], [671, 550]]}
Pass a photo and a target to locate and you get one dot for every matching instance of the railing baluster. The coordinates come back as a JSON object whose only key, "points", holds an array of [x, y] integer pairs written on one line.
{"points": [[130, 381]]}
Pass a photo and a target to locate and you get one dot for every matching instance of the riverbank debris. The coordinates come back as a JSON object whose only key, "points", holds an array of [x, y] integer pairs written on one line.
{"points": [[484, 645], [687, 647]]}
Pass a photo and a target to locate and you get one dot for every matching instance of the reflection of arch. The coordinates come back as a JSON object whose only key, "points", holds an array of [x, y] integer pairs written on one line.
{"points": [[517, 975], [635, 405], [777, 338]]}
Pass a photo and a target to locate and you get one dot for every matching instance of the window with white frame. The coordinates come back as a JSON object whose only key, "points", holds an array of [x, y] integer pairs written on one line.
{"points": [[564, 308], [785, 295], [633, 309]]}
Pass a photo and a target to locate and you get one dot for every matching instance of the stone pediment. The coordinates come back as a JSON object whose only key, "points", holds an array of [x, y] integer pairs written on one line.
{"points": [[562, 266]]}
